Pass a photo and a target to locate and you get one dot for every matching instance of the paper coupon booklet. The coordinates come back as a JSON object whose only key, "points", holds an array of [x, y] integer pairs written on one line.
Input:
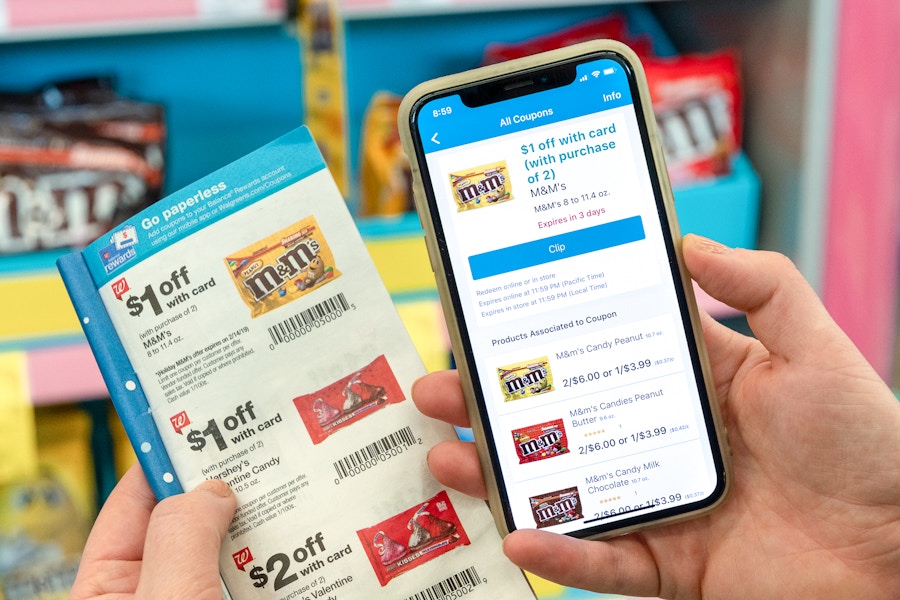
{"points": [[244, 334]]}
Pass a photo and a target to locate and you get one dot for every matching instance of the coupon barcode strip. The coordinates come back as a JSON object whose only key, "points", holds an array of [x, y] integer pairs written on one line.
{"points": [[464, 580], [301, 322], [363, 458]]}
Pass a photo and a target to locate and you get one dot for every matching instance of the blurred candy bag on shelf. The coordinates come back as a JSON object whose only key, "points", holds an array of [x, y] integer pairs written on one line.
{"points": [[76, 158], [45, 517], [613, 27], [696, 97], [697, 102], [121, 453], [321, 33], [385, 186]]}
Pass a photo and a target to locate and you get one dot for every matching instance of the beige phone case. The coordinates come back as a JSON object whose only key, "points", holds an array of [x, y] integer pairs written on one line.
{"points": [[459, 80]]}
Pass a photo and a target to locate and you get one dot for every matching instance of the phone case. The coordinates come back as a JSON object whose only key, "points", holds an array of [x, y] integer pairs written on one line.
{"points": [[460, 80]]}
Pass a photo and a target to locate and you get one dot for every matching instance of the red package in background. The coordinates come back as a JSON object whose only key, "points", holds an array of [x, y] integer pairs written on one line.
{"points": [[612, 27], [697, 100], [76, 159], [349, 399], [413, 537]]}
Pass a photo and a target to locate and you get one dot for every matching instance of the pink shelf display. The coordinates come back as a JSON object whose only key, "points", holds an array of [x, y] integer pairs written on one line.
{"points": [[24, 19]]}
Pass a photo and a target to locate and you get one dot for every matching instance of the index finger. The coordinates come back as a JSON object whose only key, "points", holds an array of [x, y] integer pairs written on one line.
{"points": [[439, 395], [782, 309]]}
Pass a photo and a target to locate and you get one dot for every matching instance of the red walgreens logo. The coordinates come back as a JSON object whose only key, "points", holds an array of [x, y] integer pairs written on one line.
{"points": [[179, 421], [119, 287], [242, 558]]}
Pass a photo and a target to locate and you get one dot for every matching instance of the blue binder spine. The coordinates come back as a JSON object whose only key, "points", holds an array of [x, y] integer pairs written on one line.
{"points": [[119, 376]]}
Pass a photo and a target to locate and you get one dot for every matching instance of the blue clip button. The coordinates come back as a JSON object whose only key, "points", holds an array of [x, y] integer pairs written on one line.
{"points": [[567, 245]]}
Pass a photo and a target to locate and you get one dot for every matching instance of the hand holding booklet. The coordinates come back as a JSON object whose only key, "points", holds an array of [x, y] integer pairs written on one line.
{"points": [[244, 334]]}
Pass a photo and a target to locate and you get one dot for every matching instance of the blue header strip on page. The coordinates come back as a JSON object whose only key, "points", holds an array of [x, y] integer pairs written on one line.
{"points": [[273, 167]]}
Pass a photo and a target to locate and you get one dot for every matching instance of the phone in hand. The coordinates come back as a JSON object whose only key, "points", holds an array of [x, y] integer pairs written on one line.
{"points": [[542, 189]]}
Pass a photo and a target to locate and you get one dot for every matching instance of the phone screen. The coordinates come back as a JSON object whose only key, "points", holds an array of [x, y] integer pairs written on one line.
{"points": [[560, 262]]}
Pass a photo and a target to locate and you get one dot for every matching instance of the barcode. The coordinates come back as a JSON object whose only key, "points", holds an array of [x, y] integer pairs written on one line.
{"points": [[454, 586], [305, 321], [366, 457]]}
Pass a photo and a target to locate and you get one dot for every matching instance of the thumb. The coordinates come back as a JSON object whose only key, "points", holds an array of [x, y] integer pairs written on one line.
{"points": [[623, 565], [181, 552]]}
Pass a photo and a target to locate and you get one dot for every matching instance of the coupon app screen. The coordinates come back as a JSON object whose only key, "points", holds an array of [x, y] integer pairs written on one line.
{"points": [[567, 298]]}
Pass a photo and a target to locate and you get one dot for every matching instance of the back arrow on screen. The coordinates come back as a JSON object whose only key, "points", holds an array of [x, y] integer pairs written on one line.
{"points": [[435, 140]]}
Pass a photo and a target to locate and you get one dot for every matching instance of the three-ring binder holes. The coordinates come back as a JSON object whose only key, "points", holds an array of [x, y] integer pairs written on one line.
{"points": [[146, 447]]}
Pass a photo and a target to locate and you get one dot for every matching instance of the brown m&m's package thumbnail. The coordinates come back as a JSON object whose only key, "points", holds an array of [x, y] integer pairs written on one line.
{"points": [[556, 507]]}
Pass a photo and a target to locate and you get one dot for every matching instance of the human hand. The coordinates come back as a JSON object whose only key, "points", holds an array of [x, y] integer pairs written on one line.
{"points": [[814, 509], [139, 548]]}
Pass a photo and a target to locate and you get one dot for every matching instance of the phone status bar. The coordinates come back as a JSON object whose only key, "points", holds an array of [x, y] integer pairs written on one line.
{"points": [[448, 123]]}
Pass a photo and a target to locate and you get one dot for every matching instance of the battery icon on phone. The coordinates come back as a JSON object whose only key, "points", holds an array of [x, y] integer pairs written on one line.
{"points": [[609, 71]]}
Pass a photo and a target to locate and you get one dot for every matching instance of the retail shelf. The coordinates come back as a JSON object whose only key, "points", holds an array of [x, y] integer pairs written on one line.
{"points": [[22, 20], [374, 9]]}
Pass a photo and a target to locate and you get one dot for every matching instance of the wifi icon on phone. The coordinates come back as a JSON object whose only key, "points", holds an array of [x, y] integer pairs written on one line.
{"points": [[595, 74]]}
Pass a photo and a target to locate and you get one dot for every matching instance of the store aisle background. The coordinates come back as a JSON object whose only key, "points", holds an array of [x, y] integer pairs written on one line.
{"points": [[822, 131]]}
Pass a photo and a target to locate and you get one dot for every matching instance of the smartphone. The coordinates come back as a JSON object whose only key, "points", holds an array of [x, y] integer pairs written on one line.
{"points": [[549, 221]]}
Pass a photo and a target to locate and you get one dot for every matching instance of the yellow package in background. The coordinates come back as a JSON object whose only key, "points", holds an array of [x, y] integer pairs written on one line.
{"points": [[45, 516], [385, 181], [123, 454], [324, 94], [18, 446]]}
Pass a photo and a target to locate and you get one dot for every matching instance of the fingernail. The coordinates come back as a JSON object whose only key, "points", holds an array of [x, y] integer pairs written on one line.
{"points": [[712, 246], [216, 487]]}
